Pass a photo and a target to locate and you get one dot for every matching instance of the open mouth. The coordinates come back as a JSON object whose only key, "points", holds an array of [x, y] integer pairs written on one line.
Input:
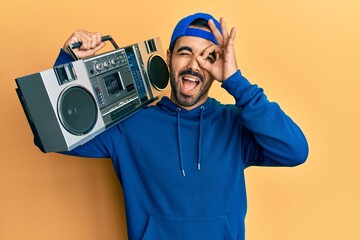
{"points": [[189, 83]]}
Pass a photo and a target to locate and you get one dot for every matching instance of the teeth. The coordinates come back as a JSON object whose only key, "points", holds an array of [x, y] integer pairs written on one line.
{"points": [[191, 79]]}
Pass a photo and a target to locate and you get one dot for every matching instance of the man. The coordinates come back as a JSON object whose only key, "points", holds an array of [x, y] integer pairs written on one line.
{"points": [[181, 163]]}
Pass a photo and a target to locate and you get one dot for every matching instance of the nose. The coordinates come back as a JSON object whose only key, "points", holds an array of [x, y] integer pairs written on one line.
{"points": [[193, 64]]}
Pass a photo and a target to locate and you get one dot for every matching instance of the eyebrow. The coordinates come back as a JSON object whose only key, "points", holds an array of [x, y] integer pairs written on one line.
{"points": [[185, 48]]}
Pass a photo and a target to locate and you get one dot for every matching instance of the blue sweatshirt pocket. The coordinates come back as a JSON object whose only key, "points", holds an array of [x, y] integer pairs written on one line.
{"points": [[188, 228]]}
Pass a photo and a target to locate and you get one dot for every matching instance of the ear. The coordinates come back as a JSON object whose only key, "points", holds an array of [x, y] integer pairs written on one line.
{"points": [[168, 57]]}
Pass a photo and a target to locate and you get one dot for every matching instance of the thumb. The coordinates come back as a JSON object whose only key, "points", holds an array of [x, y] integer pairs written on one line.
{"points": [[100, 46]]}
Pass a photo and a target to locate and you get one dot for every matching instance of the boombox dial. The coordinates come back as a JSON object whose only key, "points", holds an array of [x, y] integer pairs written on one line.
{"points": [[113, 61], [98, 66], [106, 63]]}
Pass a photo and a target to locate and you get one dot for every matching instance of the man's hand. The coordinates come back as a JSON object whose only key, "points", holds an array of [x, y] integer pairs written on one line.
{"points": [[225, 64], [90, 43]]}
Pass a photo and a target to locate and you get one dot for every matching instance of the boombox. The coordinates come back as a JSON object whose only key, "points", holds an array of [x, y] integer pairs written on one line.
{"points": [[70, 104]]}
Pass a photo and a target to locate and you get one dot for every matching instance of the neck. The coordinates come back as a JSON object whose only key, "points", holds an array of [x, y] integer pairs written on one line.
{"points": [[197, 104]]}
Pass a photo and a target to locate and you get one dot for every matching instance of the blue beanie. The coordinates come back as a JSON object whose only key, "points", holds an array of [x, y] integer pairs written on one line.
{"points": [[182, 28]]}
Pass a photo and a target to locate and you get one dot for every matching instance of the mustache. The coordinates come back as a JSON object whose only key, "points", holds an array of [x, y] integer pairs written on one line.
{"points": [[192, 73]]}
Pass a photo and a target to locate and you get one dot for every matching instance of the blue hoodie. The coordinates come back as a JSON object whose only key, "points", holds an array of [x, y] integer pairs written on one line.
{"points": [[182, 172]]}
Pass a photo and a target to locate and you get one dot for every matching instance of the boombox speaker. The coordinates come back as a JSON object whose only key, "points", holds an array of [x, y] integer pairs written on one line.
{"points": [[70, 104]]}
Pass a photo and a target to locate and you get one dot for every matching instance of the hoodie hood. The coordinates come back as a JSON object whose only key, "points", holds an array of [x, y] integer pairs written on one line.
{"points": [[195, 114], [167, 105]]}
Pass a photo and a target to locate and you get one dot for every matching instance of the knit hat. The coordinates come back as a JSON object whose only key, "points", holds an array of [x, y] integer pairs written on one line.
{"points": [[182, 28]]}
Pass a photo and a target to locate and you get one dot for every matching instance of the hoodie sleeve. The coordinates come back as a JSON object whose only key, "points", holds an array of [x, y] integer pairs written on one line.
{"points": [[100, 146], [63, 58], [270, 137]]}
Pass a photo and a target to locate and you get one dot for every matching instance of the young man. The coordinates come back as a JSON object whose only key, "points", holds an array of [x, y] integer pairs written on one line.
{"points": [[181, 163]]}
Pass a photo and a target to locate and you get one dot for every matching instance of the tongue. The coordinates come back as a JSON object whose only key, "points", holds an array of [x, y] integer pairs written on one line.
{"points": [[189, 85]]}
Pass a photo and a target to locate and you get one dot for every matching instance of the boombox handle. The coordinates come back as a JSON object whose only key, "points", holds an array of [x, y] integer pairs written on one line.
{"points": [[78, 44]]}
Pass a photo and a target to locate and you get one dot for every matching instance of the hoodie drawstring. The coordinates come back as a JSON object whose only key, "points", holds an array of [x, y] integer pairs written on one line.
{"points": [[179, 142], [199, 141], [200, 137]]}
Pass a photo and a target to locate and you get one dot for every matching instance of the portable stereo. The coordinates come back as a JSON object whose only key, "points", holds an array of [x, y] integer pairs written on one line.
{"points": [[70, 104]]}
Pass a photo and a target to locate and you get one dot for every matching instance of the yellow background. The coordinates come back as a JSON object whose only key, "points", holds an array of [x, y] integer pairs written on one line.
{"points": [[306, 56]]}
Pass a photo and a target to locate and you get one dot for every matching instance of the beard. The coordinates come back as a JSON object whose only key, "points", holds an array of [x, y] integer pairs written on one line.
{"points": [[188, 100]]}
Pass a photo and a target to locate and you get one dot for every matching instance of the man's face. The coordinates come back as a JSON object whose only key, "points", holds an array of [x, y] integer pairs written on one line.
{"points": [[190, 83]]}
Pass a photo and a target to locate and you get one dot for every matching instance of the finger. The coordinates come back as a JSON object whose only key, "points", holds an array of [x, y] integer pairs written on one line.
{"points": [[233, 33], [85, 39], [231, 41], [96, 40], [72, 39], [100, 46], [216, 32], [232, 37], [204, 64], [77, 36], [88, 40], [224, 30], [212, 50]]}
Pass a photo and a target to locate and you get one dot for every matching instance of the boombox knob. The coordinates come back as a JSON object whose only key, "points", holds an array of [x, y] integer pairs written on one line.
{"points": [[158, 72]]}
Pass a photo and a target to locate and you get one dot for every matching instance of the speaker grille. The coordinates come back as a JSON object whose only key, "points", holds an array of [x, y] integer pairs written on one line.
{"points": [[158, 72], [77, 110]]}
